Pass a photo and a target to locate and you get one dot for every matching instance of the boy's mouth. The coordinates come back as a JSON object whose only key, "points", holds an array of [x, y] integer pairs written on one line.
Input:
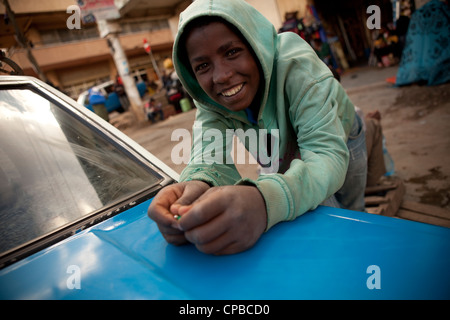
{"points": [[232, 91]]}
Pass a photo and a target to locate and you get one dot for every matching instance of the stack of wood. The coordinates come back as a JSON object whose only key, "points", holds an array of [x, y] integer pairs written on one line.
{"points": [[387, 199]]}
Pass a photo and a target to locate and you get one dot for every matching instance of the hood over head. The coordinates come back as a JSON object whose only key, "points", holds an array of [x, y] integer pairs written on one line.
{"points": [[259, 33]]}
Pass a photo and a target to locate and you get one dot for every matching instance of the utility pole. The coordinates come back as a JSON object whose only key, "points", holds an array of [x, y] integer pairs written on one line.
{"points": [[23, 42], [148, 49], [110, 31]]}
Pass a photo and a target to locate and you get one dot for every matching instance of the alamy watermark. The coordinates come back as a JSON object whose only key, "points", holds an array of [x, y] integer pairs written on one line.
{"points": [[213, 146], [74, 20], [374, 280], [373, 21], [74, 280]]}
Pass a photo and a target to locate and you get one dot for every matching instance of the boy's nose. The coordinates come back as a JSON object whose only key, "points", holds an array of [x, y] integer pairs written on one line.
{"points": [[221, 74]]}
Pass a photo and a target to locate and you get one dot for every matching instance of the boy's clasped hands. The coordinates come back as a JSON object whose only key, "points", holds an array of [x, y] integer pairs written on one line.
{"points": [[217, 220]]}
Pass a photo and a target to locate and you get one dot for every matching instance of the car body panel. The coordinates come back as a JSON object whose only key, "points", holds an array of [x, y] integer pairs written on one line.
{"points": [[324, 254]]}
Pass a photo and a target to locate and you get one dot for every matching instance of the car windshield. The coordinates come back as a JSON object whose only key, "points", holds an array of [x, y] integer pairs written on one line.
{"points": [[55, 169]]}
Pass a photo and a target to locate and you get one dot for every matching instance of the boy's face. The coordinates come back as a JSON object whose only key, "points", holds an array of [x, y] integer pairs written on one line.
{"points": [[223, 65]]}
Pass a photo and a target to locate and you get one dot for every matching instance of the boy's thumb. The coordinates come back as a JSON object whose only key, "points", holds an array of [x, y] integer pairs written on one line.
{"points": [[189, 195]]}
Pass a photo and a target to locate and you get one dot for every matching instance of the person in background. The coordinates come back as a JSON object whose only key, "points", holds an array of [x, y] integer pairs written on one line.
{"points": [[154, 109], [172, 84], [293, 24], [97, 101], [323, 50], [120, 90]]}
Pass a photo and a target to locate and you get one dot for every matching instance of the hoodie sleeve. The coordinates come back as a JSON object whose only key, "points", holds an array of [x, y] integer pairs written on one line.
{"points": [[321, 171]]}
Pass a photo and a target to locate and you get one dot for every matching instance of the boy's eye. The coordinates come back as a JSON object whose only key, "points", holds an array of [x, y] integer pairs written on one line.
{"points": [[232, 52], [201, 67]]}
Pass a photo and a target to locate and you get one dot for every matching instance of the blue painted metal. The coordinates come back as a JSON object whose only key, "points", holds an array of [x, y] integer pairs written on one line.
{"points": [[324, 254]]}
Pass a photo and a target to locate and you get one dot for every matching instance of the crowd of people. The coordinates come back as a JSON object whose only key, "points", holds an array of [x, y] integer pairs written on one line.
{"points": [[170, 85], [310, 30], [387, 47]]}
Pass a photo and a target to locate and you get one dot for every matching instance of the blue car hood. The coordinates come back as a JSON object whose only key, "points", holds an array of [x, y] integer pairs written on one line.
{"points": [[325, 254]]}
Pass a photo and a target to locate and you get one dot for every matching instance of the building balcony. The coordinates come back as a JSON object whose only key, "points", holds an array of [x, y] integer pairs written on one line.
{"points": [[63, 55]]}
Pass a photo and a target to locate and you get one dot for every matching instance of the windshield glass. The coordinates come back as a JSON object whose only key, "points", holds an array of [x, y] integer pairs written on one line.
{"points": [[55, 169]]}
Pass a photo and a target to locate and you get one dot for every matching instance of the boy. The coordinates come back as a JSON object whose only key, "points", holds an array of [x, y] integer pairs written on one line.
{"points": [[243, 75], [154, 108]]}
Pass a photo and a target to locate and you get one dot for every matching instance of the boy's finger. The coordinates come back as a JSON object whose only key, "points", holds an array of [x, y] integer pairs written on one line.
{"points": [[177, 239], [169, 230], [182, 209], [201, 211], [189, 195], [158, 210]]}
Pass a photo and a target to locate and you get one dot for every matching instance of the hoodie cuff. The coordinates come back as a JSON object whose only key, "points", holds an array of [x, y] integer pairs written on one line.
{"points": [[202, 176], [277, 199]]}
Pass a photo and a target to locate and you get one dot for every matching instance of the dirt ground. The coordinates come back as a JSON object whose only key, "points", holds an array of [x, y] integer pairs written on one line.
{"points": [[416, 125], [415, 121]]}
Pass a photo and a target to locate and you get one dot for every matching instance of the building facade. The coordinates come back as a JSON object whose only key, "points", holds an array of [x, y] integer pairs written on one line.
{"points": [[75, 59]]}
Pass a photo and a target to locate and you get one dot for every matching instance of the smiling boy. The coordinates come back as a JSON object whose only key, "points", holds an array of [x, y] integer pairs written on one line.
{"points": [[225, 68], [243, 75]]}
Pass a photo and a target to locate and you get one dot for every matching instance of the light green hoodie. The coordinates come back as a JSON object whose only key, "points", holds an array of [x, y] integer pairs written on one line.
{"points": [[301, 99]]}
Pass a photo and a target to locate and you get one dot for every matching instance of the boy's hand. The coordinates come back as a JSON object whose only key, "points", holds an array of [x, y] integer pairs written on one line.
{"points": [[224, 220], [166, 203]]}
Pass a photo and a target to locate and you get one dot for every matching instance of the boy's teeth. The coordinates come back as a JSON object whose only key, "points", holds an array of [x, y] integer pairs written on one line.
{"points": [[232, 91]]}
